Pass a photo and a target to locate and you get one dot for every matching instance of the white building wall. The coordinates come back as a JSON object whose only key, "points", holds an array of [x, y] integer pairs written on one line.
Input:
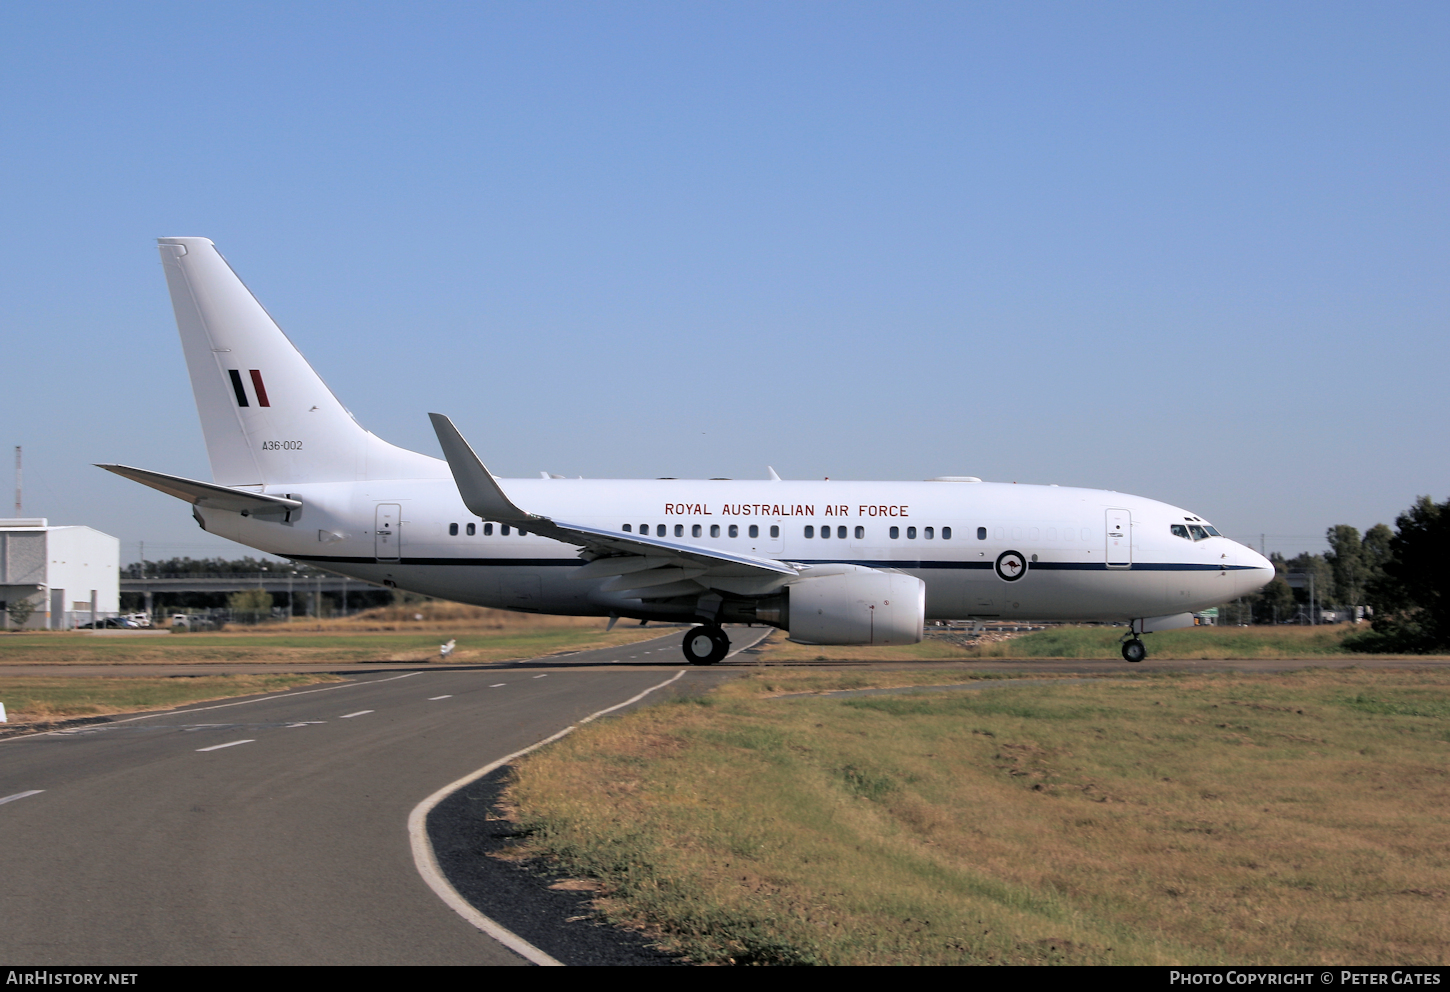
{"points": [[79, 559], [36, 559]]}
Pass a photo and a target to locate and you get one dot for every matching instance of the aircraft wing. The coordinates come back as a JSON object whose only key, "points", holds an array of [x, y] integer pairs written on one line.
{"points": [[206, 494], [636, 561]]}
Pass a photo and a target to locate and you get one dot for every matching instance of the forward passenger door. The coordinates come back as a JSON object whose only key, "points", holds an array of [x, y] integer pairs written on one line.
{"points": [[1120, 539]]}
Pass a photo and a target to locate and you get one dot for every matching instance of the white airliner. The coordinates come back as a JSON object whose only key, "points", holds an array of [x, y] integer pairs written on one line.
{"points": [[831, 562]]}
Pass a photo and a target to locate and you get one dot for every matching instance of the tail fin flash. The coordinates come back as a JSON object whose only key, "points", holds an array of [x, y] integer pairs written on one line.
{"points": [[268, 418]]}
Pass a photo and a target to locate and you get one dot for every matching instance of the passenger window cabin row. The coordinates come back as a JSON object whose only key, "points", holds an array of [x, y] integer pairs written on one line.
{"points": [[470, 530], [696, 530], [733, 530], [1192, 532]]}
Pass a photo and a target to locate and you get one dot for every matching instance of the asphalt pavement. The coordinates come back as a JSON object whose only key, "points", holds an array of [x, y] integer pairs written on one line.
{"points": [[273, 830]]}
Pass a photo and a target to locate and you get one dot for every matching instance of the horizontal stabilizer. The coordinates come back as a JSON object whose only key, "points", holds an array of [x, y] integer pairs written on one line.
{"points": [[206, 494]]}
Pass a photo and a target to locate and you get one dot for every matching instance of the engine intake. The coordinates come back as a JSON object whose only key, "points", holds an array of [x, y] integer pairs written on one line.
{"points": [[856, 605]]}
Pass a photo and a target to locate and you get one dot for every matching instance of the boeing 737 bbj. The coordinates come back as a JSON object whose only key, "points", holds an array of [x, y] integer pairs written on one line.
{"points": [[296, 476]]}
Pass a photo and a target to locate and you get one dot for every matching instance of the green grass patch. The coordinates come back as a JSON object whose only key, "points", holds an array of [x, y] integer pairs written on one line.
{"points": [[1094, 643], [1190, 642], [1433, 706], [28, 700], [1191, 819]]}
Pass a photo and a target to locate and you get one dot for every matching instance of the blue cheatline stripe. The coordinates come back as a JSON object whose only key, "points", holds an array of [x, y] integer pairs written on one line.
{"points": [[1047, 566], [1153, 566], [504, 562]]}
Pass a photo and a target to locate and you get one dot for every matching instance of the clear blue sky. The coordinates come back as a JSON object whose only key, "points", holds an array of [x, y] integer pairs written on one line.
{"points": [[1194, 251]]}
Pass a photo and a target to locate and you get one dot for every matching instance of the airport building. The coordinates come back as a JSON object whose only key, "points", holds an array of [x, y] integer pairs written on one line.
{"points": [[57, 577]]}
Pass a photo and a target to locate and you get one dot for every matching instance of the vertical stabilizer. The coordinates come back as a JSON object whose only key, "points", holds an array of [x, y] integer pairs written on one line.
{"points": [[268, 418]]}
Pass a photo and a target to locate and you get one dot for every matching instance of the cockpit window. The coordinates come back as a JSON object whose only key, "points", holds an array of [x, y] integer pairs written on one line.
{"points": [[1194, 532]]}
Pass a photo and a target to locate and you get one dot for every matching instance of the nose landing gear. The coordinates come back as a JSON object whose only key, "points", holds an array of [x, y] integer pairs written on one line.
{"points": [[705, 645]]}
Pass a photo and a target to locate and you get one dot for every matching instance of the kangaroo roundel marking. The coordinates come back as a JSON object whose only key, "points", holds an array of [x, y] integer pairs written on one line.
{"points": [[1011, 565]]}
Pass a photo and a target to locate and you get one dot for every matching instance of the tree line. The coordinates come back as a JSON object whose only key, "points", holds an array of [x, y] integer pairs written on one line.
{"points": [[212, 566], [1398, 574], [256, 602]]}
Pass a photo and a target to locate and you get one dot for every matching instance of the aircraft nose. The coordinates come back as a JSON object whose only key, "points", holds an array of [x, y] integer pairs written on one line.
{"points": [[1257, 573]]}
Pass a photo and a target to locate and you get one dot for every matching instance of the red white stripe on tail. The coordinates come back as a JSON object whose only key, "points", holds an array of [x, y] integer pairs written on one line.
{"points": [[241, 391]]}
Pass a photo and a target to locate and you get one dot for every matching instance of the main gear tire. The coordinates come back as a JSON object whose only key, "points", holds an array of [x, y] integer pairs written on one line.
{"points": [[705, 645]]}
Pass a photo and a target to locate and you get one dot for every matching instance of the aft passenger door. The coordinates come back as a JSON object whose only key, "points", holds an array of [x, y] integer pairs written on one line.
{"points": [[388, 532], [1120, 539]]}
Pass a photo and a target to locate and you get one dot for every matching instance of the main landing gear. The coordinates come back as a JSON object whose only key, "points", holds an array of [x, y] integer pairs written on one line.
{"points": [[706, 645], [1133, 649]]}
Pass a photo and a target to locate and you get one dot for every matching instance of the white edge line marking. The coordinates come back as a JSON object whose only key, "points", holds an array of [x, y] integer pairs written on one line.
{"points": [[427, 862], [349, 716], [218, 747], [747, 647], [20, 795], [222, 706]]}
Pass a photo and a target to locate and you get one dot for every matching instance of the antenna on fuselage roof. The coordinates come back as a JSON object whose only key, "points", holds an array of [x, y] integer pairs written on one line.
{"points": [[773, 476]]}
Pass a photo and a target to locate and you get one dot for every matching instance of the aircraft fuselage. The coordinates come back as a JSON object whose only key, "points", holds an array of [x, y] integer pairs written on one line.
{"points": [[984, 550]]}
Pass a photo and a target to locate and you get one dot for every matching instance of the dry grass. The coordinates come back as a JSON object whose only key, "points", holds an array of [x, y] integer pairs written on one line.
{"points": [[32, 700], [433, 616], [386, 634], [1291, 818]]}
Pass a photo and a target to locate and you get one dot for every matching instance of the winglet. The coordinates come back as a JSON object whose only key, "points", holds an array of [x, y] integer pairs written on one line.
{"points": [[480, 492]]}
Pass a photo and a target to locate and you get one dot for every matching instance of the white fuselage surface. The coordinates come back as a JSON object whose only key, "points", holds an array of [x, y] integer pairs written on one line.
{"points": [[1062, 533]]}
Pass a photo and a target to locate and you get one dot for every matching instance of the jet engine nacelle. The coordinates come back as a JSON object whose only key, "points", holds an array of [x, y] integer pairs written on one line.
{"points": [[855, 605]]}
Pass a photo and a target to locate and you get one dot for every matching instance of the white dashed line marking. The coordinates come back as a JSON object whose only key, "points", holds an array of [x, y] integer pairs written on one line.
{"points": [[498, 685], [218, 747], [433, 699], [349, 716], [307, 723], [541, 676], [426, 860], [20, 795]]}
